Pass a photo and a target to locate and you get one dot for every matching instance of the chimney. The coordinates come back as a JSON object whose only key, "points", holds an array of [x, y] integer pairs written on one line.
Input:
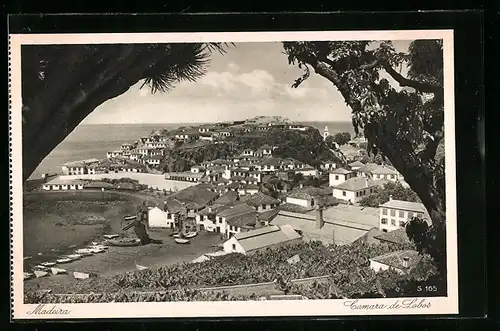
{"points": [[406, 261], [390, 197], [319, 217]]}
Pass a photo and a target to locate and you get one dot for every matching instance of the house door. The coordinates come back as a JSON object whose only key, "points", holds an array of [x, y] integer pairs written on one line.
{"points": [[217, 229]]}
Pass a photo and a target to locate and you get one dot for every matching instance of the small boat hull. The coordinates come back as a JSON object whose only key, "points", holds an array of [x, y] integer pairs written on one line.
{"points": [[48, 264], [124, 243], [178, 235], [81, 275], [181, 241], [64, 260], [58, 271], [74, 257], [111, 236], [190, 235], [39, 273]]}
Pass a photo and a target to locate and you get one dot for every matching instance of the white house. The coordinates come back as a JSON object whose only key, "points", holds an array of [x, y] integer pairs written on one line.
{"points": [[354, 189], [394, 214], [297, 127], [399, 261], [340, 175], [385, 172], [222, 218], [262, 238], [57, 184], [115, 153], [356, 165], [266, 150], [206, 136], [158, 218], [247, 152], [153, 160], [78, 167], [306, 197], [307, 172]]}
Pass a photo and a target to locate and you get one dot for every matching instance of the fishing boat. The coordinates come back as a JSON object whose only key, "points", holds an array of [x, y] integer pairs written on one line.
{"points": [[74, 257], [96, 250], [178, 235], [84, 252], [110, 236], [48, 264], [181, 241], [57, 271], [190, 234], [40, 273], [174, 234], [40, 267], [63, 260], [27, 275], [140, 267], [80, 275], [125, 242]]}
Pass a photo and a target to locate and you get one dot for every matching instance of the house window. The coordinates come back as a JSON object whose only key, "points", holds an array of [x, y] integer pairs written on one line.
{"points": [[410, 215], [420, 215], [344, 193], [383, 221], [384, 230], [401, 213], [393, 212], [357, 194], [384, 211], [393, 177], [393, 222], [336, 177]]}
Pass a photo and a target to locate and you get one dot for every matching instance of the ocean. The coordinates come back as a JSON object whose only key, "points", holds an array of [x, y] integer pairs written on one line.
{"points": [[95, 140]]}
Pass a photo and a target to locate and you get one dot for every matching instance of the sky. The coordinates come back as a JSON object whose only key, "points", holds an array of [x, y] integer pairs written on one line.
{"points": [[251, 79]]}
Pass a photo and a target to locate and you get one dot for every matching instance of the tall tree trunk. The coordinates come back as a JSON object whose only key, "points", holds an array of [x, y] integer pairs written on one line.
{"points": [[422, 177]]}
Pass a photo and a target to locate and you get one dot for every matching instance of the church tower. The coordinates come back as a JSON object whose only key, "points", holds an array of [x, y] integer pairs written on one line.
{"points": [[325, 133]]}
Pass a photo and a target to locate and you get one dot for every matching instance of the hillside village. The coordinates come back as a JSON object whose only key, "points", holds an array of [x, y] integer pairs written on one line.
{"points": [[253, 198]]}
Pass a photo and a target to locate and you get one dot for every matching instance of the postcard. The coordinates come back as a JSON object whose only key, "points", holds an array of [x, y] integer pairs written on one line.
{"points": [[232, 174]]}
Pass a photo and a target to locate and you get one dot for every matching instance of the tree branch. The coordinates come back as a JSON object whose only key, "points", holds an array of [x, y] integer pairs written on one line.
{"points": [[403, 81]]}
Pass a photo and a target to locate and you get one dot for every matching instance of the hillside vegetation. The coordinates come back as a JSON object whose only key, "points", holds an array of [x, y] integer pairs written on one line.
{"points": [[305, 146]]}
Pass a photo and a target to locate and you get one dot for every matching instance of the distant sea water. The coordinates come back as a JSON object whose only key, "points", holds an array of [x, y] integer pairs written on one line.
{"points": [[95, 140]]}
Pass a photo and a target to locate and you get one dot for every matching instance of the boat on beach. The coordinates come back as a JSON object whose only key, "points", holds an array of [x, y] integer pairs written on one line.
{"points": [[64, 260], [80, 275], [48, 264], [27, 275], [40, 273], [84, 252], [178, 235], [74, 257], [40, 267], [190, 234], [57, 271], [110, 236], [182, 241]]}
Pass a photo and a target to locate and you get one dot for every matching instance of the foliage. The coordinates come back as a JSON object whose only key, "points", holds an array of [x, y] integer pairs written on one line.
{"points": [[181, 159], [404, 123], [346, 264], [62, 84], [396, 190], [342, 138]]}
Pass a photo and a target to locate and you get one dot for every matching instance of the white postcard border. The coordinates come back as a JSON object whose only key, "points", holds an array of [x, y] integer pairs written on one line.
{"points": [[429, 305]]}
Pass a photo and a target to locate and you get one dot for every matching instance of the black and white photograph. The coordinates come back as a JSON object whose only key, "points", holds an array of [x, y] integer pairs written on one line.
{"points": [[278, 169]]}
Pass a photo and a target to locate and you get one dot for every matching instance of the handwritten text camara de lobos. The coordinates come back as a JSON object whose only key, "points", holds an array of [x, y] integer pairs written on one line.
{"points": [[398, 304]]}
